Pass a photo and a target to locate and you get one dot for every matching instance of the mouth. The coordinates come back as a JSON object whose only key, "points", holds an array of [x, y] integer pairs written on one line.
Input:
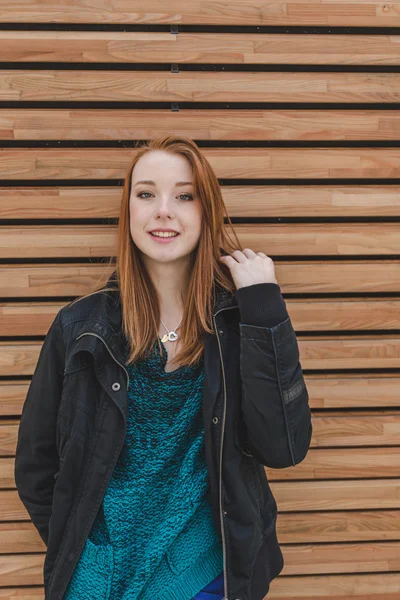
{"points": [[163, 240]]}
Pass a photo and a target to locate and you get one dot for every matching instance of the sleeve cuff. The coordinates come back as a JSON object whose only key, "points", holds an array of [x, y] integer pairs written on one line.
{"points": [[261, 304]]}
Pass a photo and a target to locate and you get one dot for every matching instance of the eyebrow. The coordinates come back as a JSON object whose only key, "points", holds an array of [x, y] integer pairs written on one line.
{"points": [[150, 182]]}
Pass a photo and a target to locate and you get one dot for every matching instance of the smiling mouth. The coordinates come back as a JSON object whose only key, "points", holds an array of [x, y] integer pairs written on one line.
{"points": [[164, 236]]}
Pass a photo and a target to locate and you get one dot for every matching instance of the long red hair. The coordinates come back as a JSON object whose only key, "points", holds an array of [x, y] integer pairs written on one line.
{"points": [[133, 282]]}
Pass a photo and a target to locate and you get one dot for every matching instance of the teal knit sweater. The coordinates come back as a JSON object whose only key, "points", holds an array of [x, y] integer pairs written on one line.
{"points": [[153, 536]]}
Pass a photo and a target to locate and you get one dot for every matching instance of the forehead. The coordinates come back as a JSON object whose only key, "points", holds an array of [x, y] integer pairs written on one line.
{"points": [[159, 166]]}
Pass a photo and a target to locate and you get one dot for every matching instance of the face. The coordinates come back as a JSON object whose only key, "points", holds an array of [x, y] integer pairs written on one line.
{"points": [[167, 203]]}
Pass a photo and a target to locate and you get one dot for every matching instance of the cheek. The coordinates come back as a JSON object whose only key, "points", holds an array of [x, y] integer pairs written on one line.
{"points": [[137, 218]]}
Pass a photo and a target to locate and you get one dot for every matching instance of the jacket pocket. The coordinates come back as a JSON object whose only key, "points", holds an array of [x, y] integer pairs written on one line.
{"points": [[92, 576]]}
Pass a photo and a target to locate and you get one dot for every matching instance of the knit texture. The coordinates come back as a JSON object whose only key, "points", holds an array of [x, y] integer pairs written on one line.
{"points": [[153, 536]]}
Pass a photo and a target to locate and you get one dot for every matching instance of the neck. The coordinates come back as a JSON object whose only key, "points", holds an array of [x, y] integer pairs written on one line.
{"points": [[170, 281]]}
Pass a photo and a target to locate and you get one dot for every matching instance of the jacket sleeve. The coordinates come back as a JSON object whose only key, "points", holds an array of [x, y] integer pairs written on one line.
{"points": [[36, 456], [275, 406]]}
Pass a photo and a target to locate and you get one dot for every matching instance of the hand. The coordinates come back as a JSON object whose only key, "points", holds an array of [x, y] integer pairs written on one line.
{"points": [[248, 267]]}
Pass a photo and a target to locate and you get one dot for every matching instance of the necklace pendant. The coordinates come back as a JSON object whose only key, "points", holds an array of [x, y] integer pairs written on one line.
{"points": [[164, 338], [172, 336]]}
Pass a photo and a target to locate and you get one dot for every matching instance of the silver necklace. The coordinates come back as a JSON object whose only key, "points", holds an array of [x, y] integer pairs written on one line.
{"points": [[170, 336]]}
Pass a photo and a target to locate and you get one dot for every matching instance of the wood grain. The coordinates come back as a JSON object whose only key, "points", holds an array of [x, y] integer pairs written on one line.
{"points": [[228, 12]]}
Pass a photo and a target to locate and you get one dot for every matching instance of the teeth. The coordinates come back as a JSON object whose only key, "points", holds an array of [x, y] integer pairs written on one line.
{"points": [[164, 234]]}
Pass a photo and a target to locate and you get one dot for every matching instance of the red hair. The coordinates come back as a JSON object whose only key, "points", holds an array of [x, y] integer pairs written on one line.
{"points": [[134, 284]]}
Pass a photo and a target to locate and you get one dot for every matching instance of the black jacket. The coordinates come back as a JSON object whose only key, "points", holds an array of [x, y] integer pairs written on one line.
{"points": [[255, 410]]}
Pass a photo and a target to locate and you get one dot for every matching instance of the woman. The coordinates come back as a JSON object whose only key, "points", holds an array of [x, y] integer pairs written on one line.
{"points": [[157, 401]]}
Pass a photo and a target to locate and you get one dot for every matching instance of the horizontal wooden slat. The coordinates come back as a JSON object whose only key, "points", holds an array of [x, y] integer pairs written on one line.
{"points": [[324, 391], [335, 391], [340, 463], [306, 277], [242, 201], [344, 431], [338, 526], [201, 124], [21, 569], [336, 432], [255, 163], [343, 558], [291, 496], [356, 431], [316, 314], [210, 48], [379, 352], [335, 463], [24, 569], [363, 494], [230, 48], [186, 86], [19, 537], [300, 528], [309, 239], [201, 12]]}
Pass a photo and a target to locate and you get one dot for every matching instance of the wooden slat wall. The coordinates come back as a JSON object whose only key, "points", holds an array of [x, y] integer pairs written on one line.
{"points": [[296, 105]]}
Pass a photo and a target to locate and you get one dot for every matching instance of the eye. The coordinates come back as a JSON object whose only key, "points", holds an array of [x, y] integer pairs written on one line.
{"points": [[189, 196]]}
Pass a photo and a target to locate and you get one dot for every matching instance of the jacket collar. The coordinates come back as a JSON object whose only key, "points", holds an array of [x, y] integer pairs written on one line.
{"points": [[105, 320]]}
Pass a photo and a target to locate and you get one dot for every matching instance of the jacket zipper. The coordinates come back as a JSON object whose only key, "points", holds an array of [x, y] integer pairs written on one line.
{"points": [[220, 460]]}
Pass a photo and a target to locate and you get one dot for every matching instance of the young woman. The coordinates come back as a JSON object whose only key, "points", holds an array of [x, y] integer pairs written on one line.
{"points": [[158, 400]]}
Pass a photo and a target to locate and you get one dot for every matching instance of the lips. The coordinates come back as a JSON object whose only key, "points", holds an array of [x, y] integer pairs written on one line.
{"points": [[160, 239], [170, 234]]}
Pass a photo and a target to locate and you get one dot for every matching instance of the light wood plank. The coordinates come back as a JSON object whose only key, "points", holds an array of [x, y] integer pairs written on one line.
{"points": [[200, 12], [292, 496], [305, 277], [331, 391], [379, 352], [341, 463], [240, 163], [340, 526], [210, 48], [72, 202], [341, 558], [335, 463], [309, 239], [292, 528], [348, 430], [353, 390], [295, 496], [25, 319], [185, 86], [200, 124], [26, 569]]}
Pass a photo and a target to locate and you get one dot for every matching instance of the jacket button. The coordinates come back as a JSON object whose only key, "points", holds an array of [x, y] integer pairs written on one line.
{"points": [[115, 386], [221, 331], [215, 420], [70, 556], [225, 513]]}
